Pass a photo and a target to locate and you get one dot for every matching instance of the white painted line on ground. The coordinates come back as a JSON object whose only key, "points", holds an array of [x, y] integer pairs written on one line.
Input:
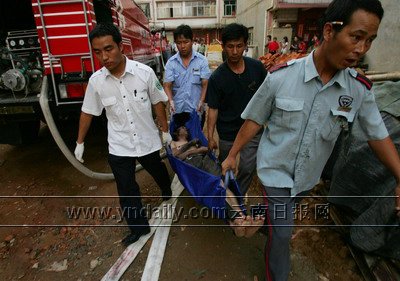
{"points": [[130, 253], [155, 258]]}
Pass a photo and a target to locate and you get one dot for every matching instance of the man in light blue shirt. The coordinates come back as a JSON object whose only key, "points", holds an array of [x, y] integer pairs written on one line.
{"points": [[306, 103], [186, 75]]}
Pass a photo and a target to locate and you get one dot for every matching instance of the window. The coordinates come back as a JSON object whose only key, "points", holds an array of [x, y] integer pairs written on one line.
{"points": [[186, 9], [251, 36], [169, 10], [229, 7], [200, 9], [146, 9]]}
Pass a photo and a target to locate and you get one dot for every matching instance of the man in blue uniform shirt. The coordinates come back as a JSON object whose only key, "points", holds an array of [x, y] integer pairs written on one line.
{"points": [[186, 75], [306, 104]]}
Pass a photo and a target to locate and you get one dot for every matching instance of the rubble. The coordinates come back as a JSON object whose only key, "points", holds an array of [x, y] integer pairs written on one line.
{"points": [[58, 266]]}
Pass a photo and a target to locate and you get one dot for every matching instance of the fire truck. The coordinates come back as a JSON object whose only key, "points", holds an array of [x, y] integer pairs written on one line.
{"points": [[45, 50]]}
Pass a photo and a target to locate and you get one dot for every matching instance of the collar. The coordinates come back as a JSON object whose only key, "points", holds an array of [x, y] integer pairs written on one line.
{"points": [[310, 72], [129, 68], [179, 59]]}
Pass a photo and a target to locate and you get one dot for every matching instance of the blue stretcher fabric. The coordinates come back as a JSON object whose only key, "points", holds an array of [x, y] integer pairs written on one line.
{"points": [[206, 188]]}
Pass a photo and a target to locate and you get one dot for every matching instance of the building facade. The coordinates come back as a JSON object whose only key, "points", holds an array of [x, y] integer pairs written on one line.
{"points": [[280, 18], [206, 18], [384, 53]]}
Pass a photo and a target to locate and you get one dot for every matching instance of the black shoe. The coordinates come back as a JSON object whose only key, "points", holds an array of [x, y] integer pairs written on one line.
{"points": [[133, 237]]}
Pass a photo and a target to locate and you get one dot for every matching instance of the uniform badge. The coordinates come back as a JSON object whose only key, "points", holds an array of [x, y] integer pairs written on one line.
{"points": [[345, 103], [158, 85]]}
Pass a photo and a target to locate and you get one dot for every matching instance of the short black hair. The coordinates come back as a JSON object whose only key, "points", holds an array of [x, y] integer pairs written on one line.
{"points": [[175, 134], [105, 29], [234, 31], [342, 10], [183, 30]]}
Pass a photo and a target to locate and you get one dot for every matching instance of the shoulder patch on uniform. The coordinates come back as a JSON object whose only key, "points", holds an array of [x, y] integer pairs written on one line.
{"points": [[364, 80], [158, 85], [141, 66], [99, 72], [277, 67]]}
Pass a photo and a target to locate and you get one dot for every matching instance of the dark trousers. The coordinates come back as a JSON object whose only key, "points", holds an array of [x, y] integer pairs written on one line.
{"points": [[280, 221], [123, 169]]}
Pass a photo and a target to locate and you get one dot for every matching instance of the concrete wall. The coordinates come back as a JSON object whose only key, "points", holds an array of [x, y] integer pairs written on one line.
{"points": [[217, 21], [252, 13], [384, 53]]}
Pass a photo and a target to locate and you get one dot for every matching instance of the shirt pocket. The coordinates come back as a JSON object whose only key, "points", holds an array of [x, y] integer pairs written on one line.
{"points": [[289, 113], [110, 104], [196, 79], [177, 80], [333, 125], [113, 111], [141, 101]]}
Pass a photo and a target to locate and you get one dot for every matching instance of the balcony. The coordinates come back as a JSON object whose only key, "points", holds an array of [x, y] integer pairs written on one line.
{"points": [[305, 4], [301, 2]]}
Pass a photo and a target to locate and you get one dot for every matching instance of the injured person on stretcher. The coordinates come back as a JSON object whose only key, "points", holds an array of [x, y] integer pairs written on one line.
{"points": [[193, 153]]}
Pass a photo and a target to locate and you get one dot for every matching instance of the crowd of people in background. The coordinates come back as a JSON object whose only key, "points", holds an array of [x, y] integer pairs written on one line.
{"points": [[272, 46], [298, 45]]}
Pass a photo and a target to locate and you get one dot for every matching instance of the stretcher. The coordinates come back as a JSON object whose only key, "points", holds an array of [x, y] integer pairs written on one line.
{"points": [[207, 189]]}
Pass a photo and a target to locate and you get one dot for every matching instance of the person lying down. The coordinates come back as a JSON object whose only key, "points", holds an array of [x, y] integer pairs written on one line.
{"points": [[193, 153]]}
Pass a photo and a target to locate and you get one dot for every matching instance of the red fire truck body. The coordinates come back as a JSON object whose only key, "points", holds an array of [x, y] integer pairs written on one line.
{"points": [[51, 39]]}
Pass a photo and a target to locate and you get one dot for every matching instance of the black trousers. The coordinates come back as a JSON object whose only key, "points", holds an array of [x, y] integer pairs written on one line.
{"points": [[123, 169]]}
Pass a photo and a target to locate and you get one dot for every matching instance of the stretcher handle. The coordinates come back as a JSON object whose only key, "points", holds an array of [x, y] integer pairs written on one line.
{"points": [[229, 175]]}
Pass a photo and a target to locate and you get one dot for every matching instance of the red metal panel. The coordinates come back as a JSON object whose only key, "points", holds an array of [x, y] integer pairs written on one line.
{"points": [[66, 32], [135, 28]]}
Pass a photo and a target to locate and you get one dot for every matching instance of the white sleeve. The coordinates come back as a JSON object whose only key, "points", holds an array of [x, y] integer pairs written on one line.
{"points": [[156, 90], [92, 102]]}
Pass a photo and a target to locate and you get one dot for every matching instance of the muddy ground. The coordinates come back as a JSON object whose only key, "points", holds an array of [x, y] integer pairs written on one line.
{"points": [[39, 240]]}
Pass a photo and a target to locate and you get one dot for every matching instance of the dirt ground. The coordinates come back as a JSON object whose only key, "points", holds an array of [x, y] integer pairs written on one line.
{"points": [[40, 241]]}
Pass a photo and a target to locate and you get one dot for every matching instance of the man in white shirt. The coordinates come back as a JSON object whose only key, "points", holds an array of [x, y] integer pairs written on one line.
{"points": [[127, 90]]}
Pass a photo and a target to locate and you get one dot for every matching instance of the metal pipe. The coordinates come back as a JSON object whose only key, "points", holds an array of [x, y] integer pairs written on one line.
{"points": [[87, 31], [60, 2], [48, 48], [385, 77]]}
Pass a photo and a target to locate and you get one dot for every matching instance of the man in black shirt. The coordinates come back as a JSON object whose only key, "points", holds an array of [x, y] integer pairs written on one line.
{"points": [[230, 88]]}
